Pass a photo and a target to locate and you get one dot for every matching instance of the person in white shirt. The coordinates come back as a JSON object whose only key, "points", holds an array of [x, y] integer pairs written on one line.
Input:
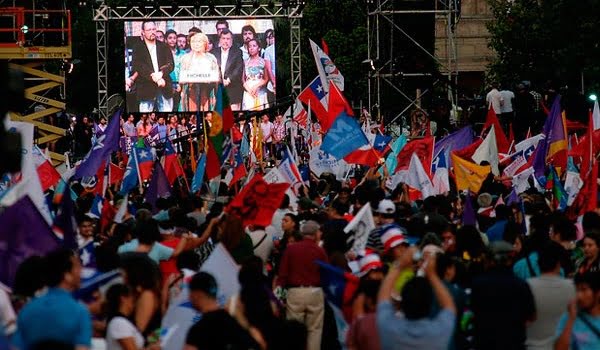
{"points": [[266, 126], [121, 334], [494, 99], [507, 116], [262, 241], [269, 55]]}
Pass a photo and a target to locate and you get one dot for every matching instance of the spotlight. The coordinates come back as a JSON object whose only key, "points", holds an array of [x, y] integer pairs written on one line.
{"points": [[157, 6], [271, 4], [593, 97], [255, 4], [174, 6], [24, 29], [238, 5], [211, 6], [285, 4], [197, 5]]}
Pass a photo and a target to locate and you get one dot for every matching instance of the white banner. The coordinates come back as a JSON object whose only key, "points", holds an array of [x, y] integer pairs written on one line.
{"points": [[327, 69], [361, 225], [321, 162]]}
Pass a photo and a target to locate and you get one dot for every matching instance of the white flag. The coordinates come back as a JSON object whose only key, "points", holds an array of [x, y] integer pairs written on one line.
{"points": [[573, 184], [417, 178], [361, 225], [327, 69], [122, 210], [520, 181], [30, 182], [488, 151], [527, 143]]}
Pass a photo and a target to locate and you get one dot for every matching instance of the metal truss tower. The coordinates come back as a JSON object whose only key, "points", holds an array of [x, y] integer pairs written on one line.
{"points": [[385, 21], [37, 42], [103, 13]]}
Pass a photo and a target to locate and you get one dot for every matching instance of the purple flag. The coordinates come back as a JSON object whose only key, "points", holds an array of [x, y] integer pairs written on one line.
{"points": [[23, 233], [104, 146], [64, 225], [455, 141], [158, 187], [469, 217], [552, 124], [513, 197]]}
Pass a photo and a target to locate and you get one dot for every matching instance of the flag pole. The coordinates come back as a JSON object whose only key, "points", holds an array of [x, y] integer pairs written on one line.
{"points": [[137, 165]]}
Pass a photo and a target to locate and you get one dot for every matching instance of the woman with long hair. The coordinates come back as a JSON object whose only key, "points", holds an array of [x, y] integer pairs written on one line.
{"points": [[591, 254], [255, 78], [121, 334], [142, 276], [232, 235]]}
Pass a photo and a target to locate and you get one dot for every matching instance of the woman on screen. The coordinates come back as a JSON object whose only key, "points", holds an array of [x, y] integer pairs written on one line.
{"points": [[199, 75], [255, 79]]}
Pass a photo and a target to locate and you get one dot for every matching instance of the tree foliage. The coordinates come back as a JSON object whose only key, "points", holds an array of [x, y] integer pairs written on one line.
{"points": [[542, 40]]}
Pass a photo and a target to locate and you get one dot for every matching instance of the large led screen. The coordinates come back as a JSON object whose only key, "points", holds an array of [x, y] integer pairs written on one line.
{"points": [[177, 66]]}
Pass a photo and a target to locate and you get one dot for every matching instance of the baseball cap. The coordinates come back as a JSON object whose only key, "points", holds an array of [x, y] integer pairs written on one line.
{"points": [[386, 206], [370, 261], [392, 237]]}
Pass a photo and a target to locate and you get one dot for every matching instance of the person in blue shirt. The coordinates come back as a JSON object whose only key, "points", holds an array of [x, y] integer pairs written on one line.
{"points": [[413, 329], [56, 317], [496, 231], [579, 327]]}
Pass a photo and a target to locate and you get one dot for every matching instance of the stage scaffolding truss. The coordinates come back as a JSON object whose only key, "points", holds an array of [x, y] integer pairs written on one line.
{"points": [[384, 14], [104, 13]]}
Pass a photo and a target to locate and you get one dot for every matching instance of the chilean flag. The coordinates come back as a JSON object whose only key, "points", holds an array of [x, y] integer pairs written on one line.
{"points": [[316, 96], [339, 288], [170, 163], [145, 161]]}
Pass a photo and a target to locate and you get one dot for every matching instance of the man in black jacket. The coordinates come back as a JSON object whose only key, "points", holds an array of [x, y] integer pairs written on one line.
{"points": [[152, 62], [230, 60]]}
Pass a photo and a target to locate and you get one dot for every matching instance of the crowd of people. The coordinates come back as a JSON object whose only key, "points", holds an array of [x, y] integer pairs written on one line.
{"points": [[177, 72], [495, 269]]}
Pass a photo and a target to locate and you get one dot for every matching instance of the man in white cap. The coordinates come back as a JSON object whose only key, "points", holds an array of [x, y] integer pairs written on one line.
{"points": [[385, 219]]}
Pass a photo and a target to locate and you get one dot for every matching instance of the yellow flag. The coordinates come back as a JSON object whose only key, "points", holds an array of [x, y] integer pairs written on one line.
{"points": [[468, 175]]}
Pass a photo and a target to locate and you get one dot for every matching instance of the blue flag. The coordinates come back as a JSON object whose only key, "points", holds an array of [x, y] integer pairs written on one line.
{"points": [[96, 209], [344, 136], [337, 286], [381, 142], [130, 179], [64, 225], [199, 175], [102, 148], [23, 233]]}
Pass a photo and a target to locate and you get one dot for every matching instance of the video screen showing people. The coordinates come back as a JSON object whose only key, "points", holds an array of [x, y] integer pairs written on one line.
{"points": [[177, 66]]}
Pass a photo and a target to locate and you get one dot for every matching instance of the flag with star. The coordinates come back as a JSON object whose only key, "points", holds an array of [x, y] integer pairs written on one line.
{"points": [[339, 287], [315, 96], [102, 148], [145, 161]]}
